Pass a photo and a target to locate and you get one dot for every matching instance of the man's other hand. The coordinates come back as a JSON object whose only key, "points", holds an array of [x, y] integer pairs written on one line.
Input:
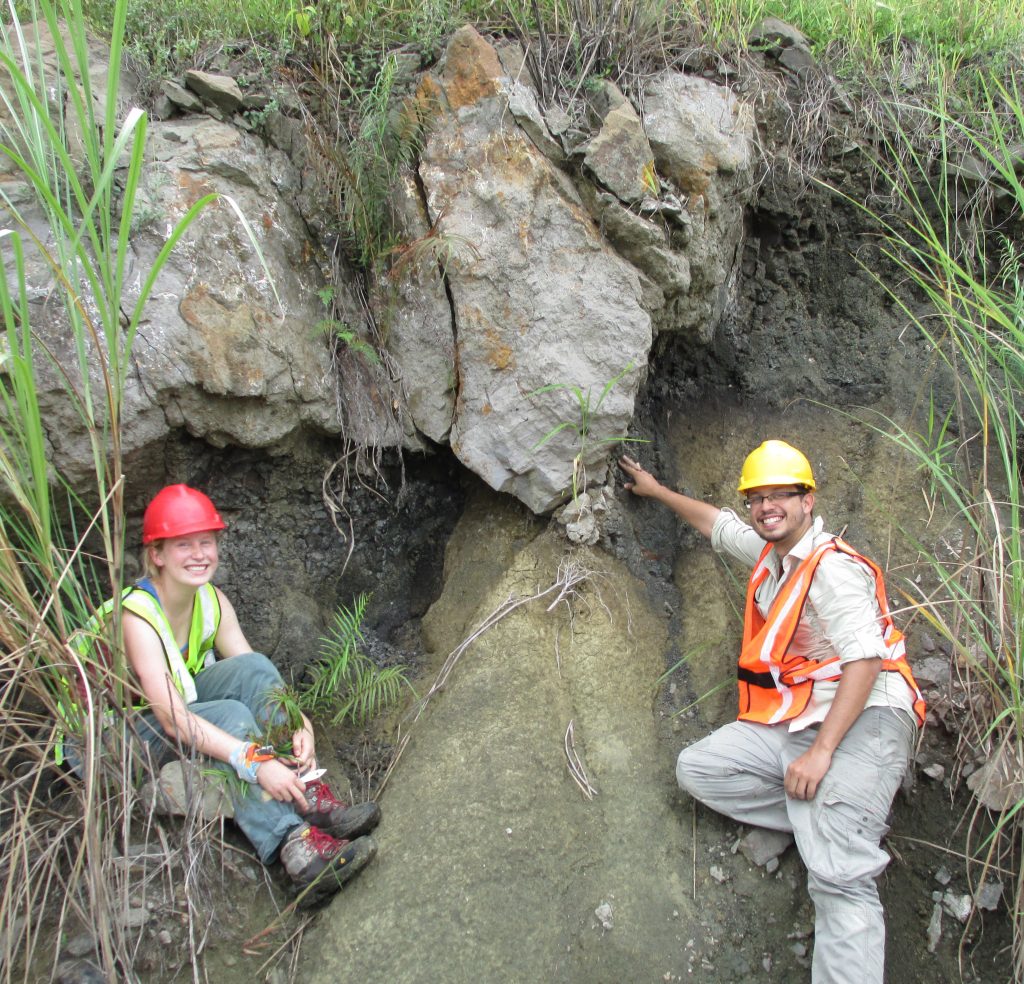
{"points": [[805, 773]]}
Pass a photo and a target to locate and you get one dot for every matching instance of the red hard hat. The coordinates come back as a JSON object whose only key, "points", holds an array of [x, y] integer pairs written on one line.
{"points": [[177, 510]]}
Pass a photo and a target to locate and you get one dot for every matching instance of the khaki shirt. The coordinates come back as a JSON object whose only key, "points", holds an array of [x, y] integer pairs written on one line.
{"points": [[841, 617]]}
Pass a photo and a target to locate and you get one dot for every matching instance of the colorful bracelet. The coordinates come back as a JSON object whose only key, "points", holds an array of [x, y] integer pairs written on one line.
{"points": [[248, 757]]}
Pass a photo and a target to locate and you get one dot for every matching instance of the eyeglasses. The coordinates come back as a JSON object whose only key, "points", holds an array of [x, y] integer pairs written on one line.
{"points": [[771, 497]]}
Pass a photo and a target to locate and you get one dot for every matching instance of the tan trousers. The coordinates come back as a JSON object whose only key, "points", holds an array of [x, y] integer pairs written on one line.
{"points": [[738, 770]]}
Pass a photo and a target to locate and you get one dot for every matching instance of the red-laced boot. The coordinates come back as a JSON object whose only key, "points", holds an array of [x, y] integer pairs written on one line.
{"points": [[322, 863], [338, 819]]}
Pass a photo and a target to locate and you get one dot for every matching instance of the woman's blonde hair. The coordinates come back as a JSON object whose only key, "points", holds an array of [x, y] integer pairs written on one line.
{"points": [[146, 561]]}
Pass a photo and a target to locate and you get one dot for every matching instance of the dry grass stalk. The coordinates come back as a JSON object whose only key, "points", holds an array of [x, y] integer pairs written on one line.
{"points": [[576, 767], [570, 576]]}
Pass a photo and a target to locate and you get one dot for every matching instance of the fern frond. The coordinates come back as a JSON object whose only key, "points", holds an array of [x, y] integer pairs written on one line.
{"points": [[346, 683]]}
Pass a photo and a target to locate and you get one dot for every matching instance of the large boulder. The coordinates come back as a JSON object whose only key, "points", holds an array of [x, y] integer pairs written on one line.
{"points": [[539, 298], [227, 348]]}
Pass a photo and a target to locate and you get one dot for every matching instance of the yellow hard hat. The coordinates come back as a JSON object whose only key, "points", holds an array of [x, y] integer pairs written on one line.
{"points": [[775, 463]]}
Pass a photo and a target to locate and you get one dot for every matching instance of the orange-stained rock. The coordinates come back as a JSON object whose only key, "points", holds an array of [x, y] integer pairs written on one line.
{"points": [[472, 70]]}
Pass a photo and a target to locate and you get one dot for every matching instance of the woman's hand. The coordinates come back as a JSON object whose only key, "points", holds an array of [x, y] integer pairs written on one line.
{"points": [[304, 747], [283, 784]]}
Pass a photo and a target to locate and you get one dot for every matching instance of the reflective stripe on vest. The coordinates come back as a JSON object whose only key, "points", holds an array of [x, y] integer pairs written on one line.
{"points": [[201, 635], [776, 686]]}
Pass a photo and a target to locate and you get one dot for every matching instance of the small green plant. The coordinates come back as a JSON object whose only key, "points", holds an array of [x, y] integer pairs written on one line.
{"points": [[587, 409], [341, 332], [435, 248], [346, 684], [338, 331], [284, 701], [301, 18]]}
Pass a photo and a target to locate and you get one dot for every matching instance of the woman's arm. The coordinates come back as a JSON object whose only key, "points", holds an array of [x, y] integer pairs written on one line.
{"points": [[145, 654], [230, 639]]}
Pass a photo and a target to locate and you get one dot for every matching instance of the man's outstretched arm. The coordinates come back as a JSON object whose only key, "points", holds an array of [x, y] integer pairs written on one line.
{"points": [[700, 515]]}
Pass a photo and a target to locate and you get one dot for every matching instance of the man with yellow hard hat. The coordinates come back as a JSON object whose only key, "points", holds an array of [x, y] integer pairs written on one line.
{"points": [[828, 707]]}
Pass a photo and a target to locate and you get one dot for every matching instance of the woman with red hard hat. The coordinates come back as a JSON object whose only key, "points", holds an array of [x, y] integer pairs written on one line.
{"points": [[206, 690]]}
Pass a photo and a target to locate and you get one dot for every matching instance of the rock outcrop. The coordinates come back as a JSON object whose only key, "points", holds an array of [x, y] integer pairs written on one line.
{"points": [[538, 297], [558, 278], [520, 322]]}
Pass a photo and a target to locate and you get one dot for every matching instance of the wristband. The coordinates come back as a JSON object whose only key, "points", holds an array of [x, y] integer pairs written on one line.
{"points": [[247, 758]]}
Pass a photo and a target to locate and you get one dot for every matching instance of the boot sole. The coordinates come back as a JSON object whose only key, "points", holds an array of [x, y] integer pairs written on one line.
{"points": [[342, 869]]}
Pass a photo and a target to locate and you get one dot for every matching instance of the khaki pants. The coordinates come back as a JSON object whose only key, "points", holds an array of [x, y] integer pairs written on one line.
{"points": [[739, 769]]}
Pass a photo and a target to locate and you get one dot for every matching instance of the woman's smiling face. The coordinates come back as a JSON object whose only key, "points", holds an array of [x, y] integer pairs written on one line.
{"points": [[190, 559]]}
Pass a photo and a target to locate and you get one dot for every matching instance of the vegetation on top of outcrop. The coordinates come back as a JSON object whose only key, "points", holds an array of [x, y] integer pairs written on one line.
{"points": [[866, 33], [902, 56]]}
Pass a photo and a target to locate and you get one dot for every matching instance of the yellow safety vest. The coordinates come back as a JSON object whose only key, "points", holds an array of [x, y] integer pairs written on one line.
{"points": [[181, 667]]}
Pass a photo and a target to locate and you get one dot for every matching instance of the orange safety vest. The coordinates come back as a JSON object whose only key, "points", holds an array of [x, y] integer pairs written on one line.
{"points": [[775, 685]]}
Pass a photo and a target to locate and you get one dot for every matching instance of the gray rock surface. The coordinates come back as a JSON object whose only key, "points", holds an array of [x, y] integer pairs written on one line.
{"points": [[783, 42], [619, 156], [522, 103], [187, 102], [183, 788], [420, 331], [760, 846], [219, 90], [539, 299], [646, 245], [218, 352], [703, 142]]}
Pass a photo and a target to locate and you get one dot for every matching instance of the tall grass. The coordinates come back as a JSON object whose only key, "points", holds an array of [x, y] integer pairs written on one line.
{"points": [[77, 161], [948, 28], [944, 244]]}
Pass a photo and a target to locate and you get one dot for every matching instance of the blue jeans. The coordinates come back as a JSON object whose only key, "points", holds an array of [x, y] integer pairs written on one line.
{"points": [[233, 695]]}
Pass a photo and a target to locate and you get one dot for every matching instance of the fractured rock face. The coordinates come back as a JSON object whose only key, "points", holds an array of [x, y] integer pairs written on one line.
{"points": [[703, 141], [539, 299], [227, 356], [420, 329], [217, 352], [620, 157]]}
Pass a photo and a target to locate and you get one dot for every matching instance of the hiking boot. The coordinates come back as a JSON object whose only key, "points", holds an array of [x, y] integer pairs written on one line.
{"points": [[319, 864], [337, 818]]}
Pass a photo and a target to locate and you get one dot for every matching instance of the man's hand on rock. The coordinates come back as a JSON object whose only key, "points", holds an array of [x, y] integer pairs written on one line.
{"points": [[640, 482]]}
